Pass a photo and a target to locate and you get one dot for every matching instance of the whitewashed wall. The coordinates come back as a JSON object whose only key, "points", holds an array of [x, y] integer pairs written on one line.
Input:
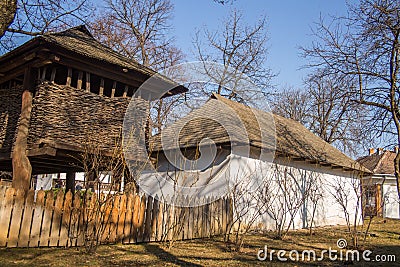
{"points": [[324, 180], [391, 205], [326, 186]]}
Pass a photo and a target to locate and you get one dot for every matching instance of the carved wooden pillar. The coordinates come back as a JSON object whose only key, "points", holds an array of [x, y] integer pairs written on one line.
{"points": [[22, 168]]}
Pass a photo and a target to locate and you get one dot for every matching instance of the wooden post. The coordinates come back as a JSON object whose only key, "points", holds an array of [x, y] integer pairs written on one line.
{"points": [[69, 77], [378, 200], [87, 82], [113, 89], [101, 92], [125, 91], [22, 169], [70, 182], [79, 84], [44, 73], [53, 75]]}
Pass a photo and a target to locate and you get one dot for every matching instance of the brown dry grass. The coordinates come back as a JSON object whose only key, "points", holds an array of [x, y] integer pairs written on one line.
{"points": [[385, 239]]}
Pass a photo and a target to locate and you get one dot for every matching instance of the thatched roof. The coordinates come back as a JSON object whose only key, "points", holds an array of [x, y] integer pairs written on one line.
{"points": [[379, 163], [225, 121]]}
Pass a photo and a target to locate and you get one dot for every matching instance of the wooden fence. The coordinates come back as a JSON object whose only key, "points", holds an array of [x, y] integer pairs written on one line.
{"points": [[63, 220]]}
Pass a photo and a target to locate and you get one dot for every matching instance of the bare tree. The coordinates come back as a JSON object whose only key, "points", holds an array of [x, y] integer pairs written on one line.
{"points": [[334, 116], [292, 104], [37, 17], [365, 47], [326, 107], [242, 50], [140, 30], [8, 8]]}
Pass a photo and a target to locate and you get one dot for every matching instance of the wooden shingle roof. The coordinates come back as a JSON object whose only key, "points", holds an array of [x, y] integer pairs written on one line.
{"points": [[81, 41], [262, 129]]}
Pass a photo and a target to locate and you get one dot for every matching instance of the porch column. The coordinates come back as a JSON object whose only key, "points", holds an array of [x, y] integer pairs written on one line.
{"points": [[22, 169]]}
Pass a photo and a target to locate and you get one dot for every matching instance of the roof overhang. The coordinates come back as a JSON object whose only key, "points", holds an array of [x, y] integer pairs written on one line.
{"points": [[39, 52]]}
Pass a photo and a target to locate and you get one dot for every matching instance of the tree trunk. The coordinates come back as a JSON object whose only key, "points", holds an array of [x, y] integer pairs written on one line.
{"points": [[8, 8], [397, 172]]}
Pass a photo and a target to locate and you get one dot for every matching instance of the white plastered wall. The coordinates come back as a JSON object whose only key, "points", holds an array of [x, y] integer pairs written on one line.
{"points": [[327, 182]]}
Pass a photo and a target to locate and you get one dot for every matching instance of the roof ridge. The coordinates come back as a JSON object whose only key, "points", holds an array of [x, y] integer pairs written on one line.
{"points": [[81, 28]]}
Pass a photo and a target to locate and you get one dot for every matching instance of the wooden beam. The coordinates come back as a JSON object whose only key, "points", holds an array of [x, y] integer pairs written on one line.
{"points": [[79, 84], [103, 69], [42, 151], [336, 167], [87, 82], [19, 60], [69, 77]]}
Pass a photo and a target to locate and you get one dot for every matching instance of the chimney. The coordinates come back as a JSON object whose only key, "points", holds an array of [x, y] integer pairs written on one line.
{"points": [[380, 151], [371, 151], [396, 150]]}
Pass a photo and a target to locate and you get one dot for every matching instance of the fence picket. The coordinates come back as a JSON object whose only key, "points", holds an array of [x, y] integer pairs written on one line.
{"points": [[6, 215], [114, 218], [56, 220], [16, 218], [135, 218], [154, 218], [65, 220], [24, 235], [128, 219], [141, 219], [37, 219], [147, 221], [160, 219], [46, 224], [121, 218]]}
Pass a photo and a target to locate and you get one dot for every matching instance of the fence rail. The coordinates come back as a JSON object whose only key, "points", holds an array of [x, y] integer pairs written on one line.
{"points": [[46, 219]]}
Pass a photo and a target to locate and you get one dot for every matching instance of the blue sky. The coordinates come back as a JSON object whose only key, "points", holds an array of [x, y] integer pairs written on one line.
{"points": [[289, 26]]}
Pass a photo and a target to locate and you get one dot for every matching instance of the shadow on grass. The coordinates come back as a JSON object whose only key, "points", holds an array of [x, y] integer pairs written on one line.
{"points": [[165, 256]]}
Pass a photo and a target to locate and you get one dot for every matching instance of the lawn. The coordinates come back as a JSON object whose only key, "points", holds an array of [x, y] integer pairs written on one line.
{"points": [[384, 239]]}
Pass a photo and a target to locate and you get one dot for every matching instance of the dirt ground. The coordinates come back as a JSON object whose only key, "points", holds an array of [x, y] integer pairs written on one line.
{"points": [[384, 239]]}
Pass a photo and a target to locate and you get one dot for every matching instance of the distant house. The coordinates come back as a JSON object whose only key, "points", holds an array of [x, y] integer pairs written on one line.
{"points": [[233, 127], [380, 189], [59, 92]]}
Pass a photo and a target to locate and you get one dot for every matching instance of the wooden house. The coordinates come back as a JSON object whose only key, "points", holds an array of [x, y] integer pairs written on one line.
{"points": [[57, 91]]}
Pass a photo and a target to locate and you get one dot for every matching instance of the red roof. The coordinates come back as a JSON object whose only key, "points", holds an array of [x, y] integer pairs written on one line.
{"points": [[379, 163]]}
